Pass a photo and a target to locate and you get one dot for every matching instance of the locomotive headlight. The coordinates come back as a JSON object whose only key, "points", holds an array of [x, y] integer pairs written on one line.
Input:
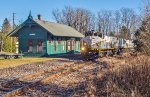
{"points": [[83, 48]]}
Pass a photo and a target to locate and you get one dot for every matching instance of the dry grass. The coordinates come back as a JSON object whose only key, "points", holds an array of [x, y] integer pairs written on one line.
{"points": [[129, 80], [6, 63]]}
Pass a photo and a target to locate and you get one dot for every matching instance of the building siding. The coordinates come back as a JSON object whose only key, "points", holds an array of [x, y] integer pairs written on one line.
{"points": [[61, 45], [35, 34], [30, 34]]}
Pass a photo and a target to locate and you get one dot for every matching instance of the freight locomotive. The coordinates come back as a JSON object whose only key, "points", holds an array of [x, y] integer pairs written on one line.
{"points": [[94, 45]]}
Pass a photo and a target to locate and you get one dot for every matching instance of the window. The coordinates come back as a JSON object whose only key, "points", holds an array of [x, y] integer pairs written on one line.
{"points": [[78, 44], [30, 49], [39, 46], [63, 45], [68, 42], [49, 40], [32, 27], [72, 44], [30, 45], [59, 40]]}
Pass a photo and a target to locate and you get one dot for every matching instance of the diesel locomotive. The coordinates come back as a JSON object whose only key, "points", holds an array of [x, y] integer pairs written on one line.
{"points": [[94, 45]]}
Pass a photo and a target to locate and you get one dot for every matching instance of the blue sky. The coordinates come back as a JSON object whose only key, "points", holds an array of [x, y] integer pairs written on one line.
{"points": [[45, 7]]}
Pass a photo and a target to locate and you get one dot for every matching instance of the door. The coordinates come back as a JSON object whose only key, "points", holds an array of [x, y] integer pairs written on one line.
{"points": [[68, 45], [55, 49]]}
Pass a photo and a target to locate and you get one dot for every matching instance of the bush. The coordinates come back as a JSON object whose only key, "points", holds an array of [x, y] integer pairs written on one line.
{"points": [[129, 80], [132, 80]]}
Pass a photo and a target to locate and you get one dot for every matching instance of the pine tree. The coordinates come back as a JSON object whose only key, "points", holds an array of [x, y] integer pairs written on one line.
{"points": [[111, 34], [1, 41], [7, 43], [136, 41], [145, 36], [125, 33], [6, 27], [2, 38], [142, 40]]}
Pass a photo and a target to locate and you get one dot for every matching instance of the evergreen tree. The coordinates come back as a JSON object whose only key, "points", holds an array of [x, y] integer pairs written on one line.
{"points": [[145, 36], [111, 34], [1, 41], [7, 43], [136, 41], [6, 27], [124, 33], [2, 37], [142, 40]]}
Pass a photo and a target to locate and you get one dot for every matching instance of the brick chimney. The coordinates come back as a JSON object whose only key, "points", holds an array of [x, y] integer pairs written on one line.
{"points": [[39, 16]]}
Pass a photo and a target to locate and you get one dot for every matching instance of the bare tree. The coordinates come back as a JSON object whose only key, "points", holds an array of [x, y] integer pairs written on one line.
{"points": [[117, 20], [104, 21], [57, 15], [146, 8], [68, 15], [78, 18]]}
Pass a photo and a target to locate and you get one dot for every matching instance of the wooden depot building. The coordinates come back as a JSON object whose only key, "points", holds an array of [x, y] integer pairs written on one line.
{"points": [[37, 37]]}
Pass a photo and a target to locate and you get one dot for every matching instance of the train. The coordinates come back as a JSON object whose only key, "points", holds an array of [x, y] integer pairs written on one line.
{"points": [[94, 45]]}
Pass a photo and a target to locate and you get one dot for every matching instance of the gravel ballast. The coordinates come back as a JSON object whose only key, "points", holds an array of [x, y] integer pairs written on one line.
{"points": [[15, 72], [64, 86]]}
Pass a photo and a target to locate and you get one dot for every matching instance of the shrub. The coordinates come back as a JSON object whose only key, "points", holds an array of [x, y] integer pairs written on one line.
{"points": [[132, 80]]}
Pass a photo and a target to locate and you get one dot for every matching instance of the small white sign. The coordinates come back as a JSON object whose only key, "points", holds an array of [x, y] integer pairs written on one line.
{"points": [[32, 34]]}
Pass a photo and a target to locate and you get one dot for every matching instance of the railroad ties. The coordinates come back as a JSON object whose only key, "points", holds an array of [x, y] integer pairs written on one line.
{"points": [[22, 84]]}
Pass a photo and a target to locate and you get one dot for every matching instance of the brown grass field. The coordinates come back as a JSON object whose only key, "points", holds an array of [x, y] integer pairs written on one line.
{"points": [[6, 63]]}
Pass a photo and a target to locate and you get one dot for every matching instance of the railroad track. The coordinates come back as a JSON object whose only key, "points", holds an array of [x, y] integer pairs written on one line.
{"points": [[74, 79], [22, 84]]}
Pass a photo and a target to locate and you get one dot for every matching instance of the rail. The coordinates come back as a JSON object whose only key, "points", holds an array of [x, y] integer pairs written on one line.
{"points": [[11, 90]]}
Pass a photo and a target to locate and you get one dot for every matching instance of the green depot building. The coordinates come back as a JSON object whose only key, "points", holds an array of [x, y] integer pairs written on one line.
{"points": [[41, 38]]}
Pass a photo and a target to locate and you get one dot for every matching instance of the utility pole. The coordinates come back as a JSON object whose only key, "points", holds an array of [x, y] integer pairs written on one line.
{"points": [[13, 29], [14, 21]]}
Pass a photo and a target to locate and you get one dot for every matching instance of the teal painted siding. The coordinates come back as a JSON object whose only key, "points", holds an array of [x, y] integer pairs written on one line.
{"points": [[35, 33], [50, 46], [62, 45], [50, 43]]}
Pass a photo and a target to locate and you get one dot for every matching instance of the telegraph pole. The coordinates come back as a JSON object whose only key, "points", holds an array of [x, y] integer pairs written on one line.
{"points": [[14, 21], [13, 29]]}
